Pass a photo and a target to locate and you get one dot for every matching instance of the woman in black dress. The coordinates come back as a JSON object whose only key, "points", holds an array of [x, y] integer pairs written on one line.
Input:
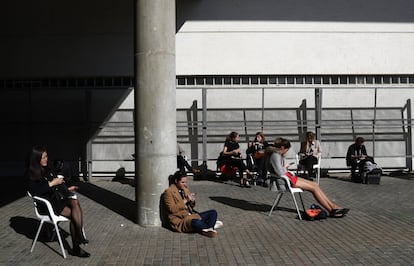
{"points": [[43, 183]]}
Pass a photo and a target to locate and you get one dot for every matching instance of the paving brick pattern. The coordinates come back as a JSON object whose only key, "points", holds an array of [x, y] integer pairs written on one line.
{"points": [[379, 230]]}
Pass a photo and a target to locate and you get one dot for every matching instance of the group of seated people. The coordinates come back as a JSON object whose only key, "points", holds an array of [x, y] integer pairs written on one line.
{"points": [[309, 154], [179, 202], [231, 157], [179, 213], [267, 158]]}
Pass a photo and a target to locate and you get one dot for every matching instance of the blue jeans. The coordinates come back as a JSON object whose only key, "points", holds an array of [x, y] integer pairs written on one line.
{"points": [[208, 220]]}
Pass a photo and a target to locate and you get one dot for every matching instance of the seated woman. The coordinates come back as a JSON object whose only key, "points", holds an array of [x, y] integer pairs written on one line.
{"points": [[356, 157], [179, 210], [309, 152], [42, 183], [232, 156], [256, 149], [275, 164]]}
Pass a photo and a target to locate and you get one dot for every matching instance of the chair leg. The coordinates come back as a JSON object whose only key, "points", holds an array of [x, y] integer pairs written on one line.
{"points": [[276, 202], [301, 200], [318, 175], [37, 235], [296, 204], [60, 240]]}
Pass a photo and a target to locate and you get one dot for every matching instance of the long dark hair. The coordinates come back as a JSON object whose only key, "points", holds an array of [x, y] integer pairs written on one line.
{"points": [[177, 176], [232, 136], [35, 170], [261, 135]]}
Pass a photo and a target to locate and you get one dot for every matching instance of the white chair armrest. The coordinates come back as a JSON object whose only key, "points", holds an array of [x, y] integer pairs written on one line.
{"points": [[51, 212]]}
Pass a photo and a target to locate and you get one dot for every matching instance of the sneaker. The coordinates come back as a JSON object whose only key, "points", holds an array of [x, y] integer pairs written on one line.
{"points": [[246, 183], [219, 224], [210, 232]]}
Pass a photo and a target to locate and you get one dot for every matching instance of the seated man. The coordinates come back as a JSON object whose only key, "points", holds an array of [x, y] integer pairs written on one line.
{"points": [[356, 157], [309, 152]]}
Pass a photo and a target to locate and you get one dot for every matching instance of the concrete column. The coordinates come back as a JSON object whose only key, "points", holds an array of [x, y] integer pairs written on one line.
{"points": [[155, 105]]}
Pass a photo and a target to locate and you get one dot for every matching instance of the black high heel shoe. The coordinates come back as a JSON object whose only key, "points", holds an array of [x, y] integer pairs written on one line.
{"points": [[77, 251]]}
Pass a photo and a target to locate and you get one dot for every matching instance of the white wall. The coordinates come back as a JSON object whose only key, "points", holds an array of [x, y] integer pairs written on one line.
{"points": [[283, 47]]}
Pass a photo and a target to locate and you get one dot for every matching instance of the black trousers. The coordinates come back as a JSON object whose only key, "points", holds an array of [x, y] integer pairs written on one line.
{"points": [[308, 163], [182, 164]]}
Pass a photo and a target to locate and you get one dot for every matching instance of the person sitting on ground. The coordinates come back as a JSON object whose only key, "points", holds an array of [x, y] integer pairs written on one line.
{"points": [[179, 210], [233, 157], [43, 182], [276, 165], [182, 163], [308, 154], [356, 157], [256, 149]]}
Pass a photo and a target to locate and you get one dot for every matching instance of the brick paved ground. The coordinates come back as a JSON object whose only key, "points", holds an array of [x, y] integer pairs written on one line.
{"points": [[379, 230]]}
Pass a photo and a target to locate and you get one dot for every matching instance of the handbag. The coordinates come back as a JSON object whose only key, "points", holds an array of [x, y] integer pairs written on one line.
{"points": [[315, 212], [60, 192]]}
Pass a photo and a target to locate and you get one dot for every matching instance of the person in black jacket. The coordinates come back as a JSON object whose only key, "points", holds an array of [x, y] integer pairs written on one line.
{"points": [[356, 156], [43, 183]]}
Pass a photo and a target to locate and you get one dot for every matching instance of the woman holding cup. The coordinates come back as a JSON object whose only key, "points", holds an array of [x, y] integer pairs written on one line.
{"points": [[43, 183]]}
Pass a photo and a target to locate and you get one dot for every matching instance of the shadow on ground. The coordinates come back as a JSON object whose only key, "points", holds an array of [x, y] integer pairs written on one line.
{"points": [[29, 226], [124, 180], [401, 174], [242, 204], [249, 206], [116, 203]]}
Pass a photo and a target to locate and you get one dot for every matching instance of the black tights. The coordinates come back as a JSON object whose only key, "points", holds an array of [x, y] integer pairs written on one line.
{"points": [[74, 212], [235, 162]]}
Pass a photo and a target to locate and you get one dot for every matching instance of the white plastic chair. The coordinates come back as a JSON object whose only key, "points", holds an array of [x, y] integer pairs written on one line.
{"points": [[298, 167], [316, 167], [51, 217], [282, 187], [250, 161]]}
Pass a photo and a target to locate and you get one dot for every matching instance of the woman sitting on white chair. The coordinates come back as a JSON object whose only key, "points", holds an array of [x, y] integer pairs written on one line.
{"points": [[309, 152], [275, 163], [43, 183]]}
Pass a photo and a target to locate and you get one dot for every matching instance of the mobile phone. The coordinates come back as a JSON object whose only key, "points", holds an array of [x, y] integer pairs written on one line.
{"points": [[291, 163]]}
